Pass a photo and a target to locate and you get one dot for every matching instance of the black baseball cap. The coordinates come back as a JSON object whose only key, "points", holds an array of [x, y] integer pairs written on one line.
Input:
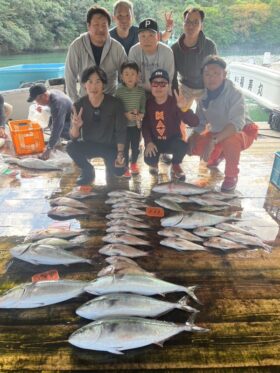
{"points": [[35, 91], [148, 24], [159, 73]]}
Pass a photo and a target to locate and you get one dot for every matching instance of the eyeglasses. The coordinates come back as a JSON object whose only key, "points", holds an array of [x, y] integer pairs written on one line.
{"points": [[159, 84], [188, 22]]}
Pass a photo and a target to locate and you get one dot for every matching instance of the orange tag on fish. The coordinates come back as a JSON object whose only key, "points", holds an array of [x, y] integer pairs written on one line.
{"points": [[85, 188], [155, 212], [51, 275]]}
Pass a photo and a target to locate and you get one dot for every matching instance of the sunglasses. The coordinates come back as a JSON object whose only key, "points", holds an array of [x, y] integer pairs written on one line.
{"points": [[159, 84]]}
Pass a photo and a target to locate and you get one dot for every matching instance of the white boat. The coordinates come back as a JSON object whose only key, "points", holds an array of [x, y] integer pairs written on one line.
{"points": [[260, 83]]}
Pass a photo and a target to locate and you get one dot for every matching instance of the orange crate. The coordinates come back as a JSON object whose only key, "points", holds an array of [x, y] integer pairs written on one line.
{"points": [[27, 137]]}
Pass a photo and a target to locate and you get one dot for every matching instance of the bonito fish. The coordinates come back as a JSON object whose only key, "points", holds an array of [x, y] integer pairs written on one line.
{"points": [[65, 212], [126, 239], [66, 201], [128, 223], [207, 201], [246, 240], [170, 205], [138, 284], [42, 293], [53, 232], [57, 242], [223, 244], [124, 229], [181, 244], [234, 228], [45, 254], [179, 188], [179, 198], [122, 268], [208, 231], [180, 233], [125, 304], [122, 250], [117, 259], [192, 220], [123, 333]]}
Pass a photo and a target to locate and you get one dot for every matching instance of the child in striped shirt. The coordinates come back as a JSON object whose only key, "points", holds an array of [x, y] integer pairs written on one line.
{"points": [[134, 100]]}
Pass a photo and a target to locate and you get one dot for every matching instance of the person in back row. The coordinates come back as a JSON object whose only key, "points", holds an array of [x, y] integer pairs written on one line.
{"points": [[134, 100], [127, 34], [94, 48], [150, 54], [98, 128], [60, 106], [223, 131], [5, 112], [161, 124]]}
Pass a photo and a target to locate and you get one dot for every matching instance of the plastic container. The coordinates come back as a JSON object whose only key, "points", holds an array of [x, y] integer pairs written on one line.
{"points": [[39, 114], [27, 137], [275, 174]]}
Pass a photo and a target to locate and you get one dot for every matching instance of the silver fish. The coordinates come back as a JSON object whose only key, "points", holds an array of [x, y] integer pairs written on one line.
{"points": [[130, 203], [179, 198], [124, 229], [123, 215], [128, 223], [114, 200], [80, 240], [208, 231], [121, 250], [42, 293], [66, 201], [53, 232], [138, 284], [122, 268], [223, 244], [246, 240], [45, 254], [234, 228], [125, 304], [126, 239], [181, 244], [207, 201], [179, 188], [120, 259], [65, 212], [221, 196], [128, 210], [125, 193], [170, 205], [80, 195], [192, 220], [179, 232], [35, 163], [123, 333], [57, 242]]}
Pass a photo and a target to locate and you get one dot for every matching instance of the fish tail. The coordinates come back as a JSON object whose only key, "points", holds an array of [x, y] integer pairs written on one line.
{"points": [[267, 248], [183, 303], [190, 326], [190, 292]]}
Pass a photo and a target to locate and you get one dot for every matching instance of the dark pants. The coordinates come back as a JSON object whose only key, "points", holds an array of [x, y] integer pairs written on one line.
{"points": [[133, 135], [175, 146], [81, 151]]}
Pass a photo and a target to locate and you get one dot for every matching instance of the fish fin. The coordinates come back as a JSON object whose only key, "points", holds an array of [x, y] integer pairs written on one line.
{"points": [[116, 352], [190, 292], [160, 344], [183, 302], [267, 248]]}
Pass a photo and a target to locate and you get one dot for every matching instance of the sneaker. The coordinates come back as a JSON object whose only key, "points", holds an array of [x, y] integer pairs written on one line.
{"points": [[134, 169], [229, 184], [215, 162], [153, 170], [86, 177], [127, 174], [166, 158], [177, 172]]}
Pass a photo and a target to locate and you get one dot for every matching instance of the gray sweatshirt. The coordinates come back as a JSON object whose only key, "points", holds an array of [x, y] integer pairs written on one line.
{"points": [[80, 57]]}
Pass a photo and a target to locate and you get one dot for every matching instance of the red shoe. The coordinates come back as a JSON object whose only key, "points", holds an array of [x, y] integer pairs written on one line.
{"points": [[177, 172], [229, 184], [127, 174], [134, 169], [215, 162]]}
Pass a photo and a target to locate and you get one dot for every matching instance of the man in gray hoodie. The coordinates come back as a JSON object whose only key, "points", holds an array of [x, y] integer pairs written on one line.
{"points": [[94, 48]]}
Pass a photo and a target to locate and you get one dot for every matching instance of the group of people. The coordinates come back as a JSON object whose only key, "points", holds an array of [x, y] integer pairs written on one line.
{"points": [[125, 83]]}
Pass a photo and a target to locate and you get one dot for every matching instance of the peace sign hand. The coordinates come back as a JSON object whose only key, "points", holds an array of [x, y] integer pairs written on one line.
{"points": [[77, 120], [181, 100], [169, 22]]}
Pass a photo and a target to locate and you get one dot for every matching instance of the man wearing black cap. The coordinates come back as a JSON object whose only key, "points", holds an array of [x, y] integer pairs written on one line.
{"points": [[60, 106], [150, 54], [161, 124]]}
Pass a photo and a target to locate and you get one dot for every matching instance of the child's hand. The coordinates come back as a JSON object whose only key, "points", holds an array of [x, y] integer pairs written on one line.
{"points": [[181, 101]]}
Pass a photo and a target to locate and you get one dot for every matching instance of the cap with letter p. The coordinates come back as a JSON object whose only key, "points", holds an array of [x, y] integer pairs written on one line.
{"points": [[148, 24]]}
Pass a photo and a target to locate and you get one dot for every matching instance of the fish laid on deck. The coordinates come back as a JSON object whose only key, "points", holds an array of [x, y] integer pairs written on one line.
{"points": [[58, 242], [192, 220], [138, 284], [168, 204], [80, 195], [129, 223], [180, 233], [117, 334], [45, 254], [122, 250], [42, 293], [123, 215], [126, 304], [125, 193], [53, 232], [246, 240], [128, 210], [223, 244], [131, 203], [234, 228], [65, 212], [179, 188], [124, 229], [208, 231], [35, 163], [181, 245], [126, 239], [66, 201], [122, 268]]}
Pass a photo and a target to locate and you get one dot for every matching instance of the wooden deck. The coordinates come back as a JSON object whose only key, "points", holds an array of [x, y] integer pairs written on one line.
{"points": [[240, 291]]}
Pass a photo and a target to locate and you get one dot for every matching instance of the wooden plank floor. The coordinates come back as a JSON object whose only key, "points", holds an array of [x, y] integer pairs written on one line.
{"points": [[240, 291]]}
